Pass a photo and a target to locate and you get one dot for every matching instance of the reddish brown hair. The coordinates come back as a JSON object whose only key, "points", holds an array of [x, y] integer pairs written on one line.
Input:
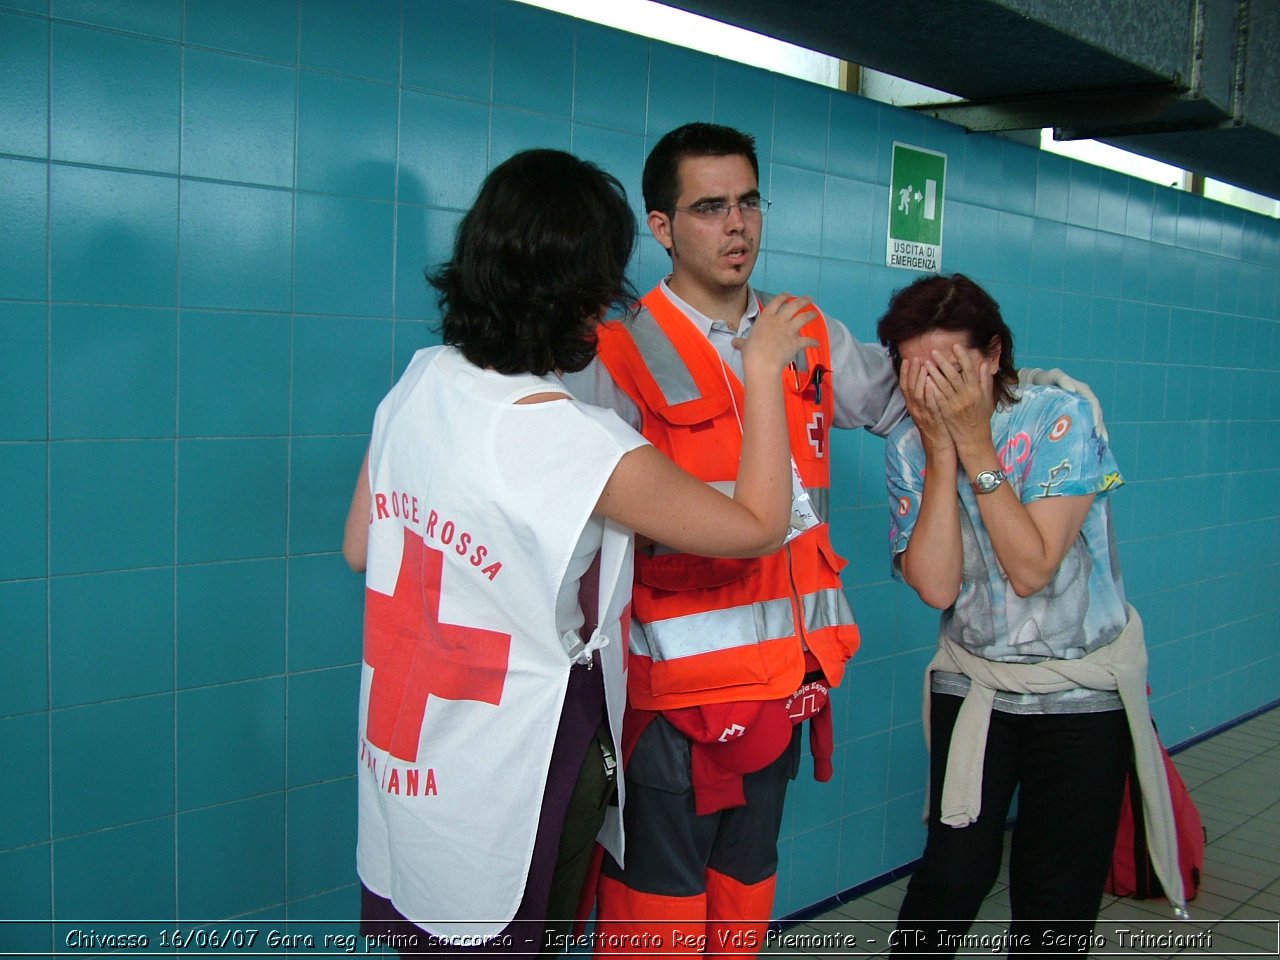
{"points": [[957, 304]]}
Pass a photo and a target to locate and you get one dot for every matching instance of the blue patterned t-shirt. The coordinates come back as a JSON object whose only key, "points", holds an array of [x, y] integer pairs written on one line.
{"points": [[1048, 446]]}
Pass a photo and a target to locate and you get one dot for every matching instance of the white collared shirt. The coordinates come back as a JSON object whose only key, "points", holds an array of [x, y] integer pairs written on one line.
{"points": [[862, 378]]}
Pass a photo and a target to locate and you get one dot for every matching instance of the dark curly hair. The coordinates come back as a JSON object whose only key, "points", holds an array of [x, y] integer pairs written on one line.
{"points": [[537, 260], [661, 179], [954, 303]]}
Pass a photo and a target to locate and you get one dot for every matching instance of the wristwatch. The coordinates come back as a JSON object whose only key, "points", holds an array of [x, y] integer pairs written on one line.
{"points": [[987, 481]]}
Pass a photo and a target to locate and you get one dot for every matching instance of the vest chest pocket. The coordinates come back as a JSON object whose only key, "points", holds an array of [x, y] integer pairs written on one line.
{"points": [[717, 670], [809, 421], [678, 572]]}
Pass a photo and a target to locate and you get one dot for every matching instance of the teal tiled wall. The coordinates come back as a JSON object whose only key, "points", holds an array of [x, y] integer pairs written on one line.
{"points": [[216, 220]]}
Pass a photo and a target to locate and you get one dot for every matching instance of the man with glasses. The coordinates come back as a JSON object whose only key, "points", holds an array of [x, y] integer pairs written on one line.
{"points": [[728, 657]]}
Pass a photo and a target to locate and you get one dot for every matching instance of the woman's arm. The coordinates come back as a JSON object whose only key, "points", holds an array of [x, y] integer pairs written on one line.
{"points": [[933, 561], [650, 494], [1030, 540], [355, 536]]}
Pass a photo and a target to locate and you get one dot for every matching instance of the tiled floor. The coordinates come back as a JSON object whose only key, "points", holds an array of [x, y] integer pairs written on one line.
{"points": [[1234, 778]]}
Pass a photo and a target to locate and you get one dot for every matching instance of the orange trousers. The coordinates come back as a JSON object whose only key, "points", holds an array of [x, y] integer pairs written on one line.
{"points": [[714, 923]]}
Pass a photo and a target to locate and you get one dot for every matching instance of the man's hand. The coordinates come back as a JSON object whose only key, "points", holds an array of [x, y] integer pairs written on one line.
{"points": [[1057, 378]]}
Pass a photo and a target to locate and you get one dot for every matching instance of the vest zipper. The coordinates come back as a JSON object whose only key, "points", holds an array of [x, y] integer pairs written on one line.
{"points": [[797, 605]]}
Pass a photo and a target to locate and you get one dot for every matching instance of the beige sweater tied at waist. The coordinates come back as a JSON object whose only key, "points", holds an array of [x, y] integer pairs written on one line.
{"points": [[1121, 666]]}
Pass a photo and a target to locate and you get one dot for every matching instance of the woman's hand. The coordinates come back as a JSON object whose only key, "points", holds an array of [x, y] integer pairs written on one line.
{"points": [[922, 397], [775, 336], [966, 399]]}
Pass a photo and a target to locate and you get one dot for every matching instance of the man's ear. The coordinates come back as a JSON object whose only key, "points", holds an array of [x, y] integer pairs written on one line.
{"points": [[660, 227]]}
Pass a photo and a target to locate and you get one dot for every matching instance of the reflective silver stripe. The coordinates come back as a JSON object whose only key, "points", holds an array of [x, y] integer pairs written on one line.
{"points": [[820, 497], [741, 626], [714, 630], [826, 608], [665, 364]]}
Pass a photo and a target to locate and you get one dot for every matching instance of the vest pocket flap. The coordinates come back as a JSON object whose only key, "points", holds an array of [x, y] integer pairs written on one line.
{"points": [[683, 571], [690, 412], [825, 548], [708, 673]]}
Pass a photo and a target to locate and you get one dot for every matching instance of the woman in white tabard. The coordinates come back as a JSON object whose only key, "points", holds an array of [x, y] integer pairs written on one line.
{"points": [[493, 516]]}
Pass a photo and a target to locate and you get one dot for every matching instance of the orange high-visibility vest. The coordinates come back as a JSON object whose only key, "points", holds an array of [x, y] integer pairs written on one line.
{"points": [[719, 630]]}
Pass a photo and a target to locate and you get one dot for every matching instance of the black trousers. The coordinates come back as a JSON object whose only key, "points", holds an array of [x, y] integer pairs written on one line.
{"points": [[670, 846], [1069, 771]]}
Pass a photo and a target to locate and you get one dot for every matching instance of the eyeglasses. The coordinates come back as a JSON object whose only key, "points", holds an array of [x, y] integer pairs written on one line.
{"points": [[719, 209]]}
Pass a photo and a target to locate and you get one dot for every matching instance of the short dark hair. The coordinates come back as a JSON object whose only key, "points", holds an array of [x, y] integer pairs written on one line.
{"points": [[661, 180], [954, 303], [541, 254]]}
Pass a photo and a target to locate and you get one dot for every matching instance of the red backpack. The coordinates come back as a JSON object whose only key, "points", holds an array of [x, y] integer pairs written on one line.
{"points": [[1131, 872]]}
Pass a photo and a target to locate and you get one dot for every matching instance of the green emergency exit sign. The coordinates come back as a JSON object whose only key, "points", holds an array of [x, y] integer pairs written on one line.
{"points": [[915, 208]]}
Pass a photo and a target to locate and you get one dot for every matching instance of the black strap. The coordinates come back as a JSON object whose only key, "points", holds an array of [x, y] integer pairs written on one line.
{"points": [[1144, 881]]}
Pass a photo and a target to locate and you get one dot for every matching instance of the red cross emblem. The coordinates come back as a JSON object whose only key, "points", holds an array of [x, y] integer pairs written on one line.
{"points": [[818, 433], [414, 655]]}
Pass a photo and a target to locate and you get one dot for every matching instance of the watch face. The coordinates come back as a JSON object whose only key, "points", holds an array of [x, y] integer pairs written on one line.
{"points": [[987, 481]]}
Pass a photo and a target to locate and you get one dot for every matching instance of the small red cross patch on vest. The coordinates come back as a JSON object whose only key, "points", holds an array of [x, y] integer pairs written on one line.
{"points": [[414, 655], [818, 433]]}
